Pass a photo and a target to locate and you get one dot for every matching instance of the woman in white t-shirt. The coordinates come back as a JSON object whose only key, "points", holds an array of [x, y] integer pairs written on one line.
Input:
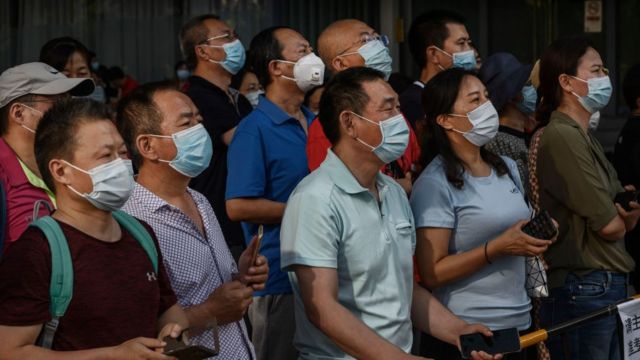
{"points": [[469, 209]]}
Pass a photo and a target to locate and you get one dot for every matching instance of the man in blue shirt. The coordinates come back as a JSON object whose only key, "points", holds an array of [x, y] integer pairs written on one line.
{"points": [[266, 161]]}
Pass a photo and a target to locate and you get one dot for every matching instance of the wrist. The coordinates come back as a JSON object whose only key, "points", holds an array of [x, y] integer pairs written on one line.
{"points": [[492, 251]]}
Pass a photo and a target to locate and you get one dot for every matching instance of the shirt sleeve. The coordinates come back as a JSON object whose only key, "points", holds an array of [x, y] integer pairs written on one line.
{"points": [[25, 275], [574, 177], [431, 203], [246, 166], [317, 145], [311, 243]]}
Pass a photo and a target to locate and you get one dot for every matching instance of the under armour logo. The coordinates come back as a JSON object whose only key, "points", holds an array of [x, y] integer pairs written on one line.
{"points": [[151, 276]]}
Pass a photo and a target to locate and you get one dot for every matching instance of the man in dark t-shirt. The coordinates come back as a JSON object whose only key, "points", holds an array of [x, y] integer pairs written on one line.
{"points": [[221, 108], [119, 301]]}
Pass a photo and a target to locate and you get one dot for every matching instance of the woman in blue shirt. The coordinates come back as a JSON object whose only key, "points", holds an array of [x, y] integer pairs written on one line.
{"points": [[469, 209]]}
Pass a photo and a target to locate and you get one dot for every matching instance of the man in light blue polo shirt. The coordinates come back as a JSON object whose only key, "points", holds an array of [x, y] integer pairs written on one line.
{"points": [[348, 236], [266, 161]]}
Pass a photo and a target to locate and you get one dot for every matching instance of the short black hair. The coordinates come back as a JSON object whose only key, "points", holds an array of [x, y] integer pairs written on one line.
{"points": [[55, 135], [192, 34], [430, 29], [344, 92], [263, 49], [56, 52], [631, 87], [138, 114], [237, 78]]}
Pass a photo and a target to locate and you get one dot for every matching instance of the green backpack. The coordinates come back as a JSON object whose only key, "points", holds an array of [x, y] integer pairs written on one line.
{"points": [[61, 287]]}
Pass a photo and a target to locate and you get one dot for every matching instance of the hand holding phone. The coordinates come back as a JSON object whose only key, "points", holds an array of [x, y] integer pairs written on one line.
{"points": [[502, 342], [256, 250], [625, 197], [541, 227], [181, 348]]}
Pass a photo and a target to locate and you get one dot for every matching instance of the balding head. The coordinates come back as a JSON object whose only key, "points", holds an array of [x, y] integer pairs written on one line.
{"points": [[342, 36]]}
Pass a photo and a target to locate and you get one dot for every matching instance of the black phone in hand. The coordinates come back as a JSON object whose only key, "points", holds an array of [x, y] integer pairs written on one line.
{"points": [[625, 197], [502, 342], [541, 227]]}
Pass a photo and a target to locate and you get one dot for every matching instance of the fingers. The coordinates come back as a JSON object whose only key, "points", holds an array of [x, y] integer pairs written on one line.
{"points": [[484, 356], [621, 210], [520, 224], [151, 343], [634, 205], [630, 188], [252, 245]]}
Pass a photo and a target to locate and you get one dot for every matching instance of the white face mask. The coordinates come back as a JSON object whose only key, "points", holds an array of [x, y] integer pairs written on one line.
{"points": [[254, 97], [112, 184], [485, 123], [308, 72]]}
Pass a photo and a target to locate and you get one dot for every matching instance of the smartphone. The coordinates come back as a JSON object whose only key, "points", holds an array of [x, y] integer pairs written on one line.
{"points": [[625, 197], [502, 342], [256, 251], [541, 226], [181, 349]]}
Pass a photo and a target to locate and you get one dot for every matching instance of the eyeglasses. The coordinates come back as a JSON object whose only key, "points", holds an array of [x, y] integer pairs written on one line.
{"points": [[229, 35], [366, 38]]}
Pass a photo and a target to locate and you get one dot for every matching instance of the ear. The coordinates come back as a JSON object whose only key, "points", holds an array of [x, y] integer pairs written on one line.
{"points": [[346, 123], [200, 53], [443, 121], [16, 113], [59, 172], [274, 68], [565, 84], [145, 148], [431, 57], [339, 63]]}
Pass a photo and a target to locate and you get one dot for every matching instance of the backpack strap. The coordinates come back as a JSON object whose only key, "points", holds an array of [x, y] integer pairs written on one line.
{"points": [[533, 167], [140, 233], [61, 286]]}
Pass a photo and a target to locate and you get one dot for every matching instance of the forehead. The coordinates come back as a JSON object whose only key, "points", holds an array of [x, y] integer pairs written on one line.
{"points": [[456, 31], [470, 84], [171, 103], [590, 57], [288, 37], [76, 60], [378, 91], [215, 27], [91, 135]]}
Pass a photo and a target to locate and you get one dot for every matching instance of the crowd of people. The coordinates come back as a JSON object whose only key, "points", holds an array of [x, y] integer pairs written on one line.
{"points": [[308, 206]]}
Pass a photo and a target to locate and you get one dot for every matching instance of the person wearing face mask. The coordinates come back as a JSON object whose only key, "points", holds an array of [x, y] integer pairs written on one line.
{"points": [[515, 100], [27, 91], [469, 209], [119, 292], [350, 267], [588, 266], [248, 85], [181, 74], [213, 50], [266, 161], [437, 29], [349, 43], [169, 150]]}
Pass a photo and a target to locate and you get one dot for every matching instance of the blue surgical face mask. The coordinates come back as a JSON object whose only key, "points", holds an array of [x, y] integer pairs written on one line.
{"points": [[194, 151], [462, 59], [529, 99], [95, 66], [376, 56], [112, 184], [599, 94], [395, 138], [485, 122], [235, 56], [183, 74]]}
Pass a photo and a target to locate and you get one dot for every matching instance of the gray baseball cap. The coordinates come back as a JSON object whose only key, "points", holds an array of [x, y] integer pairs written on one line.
{"points": [[39, 79]]}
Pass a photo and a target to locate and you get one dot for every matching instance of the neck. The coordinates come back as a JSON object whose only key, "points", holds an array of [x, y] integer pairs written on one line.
{"points": [[163, 181], [86, 218], [511, 116], [575, 111], [213, 73], [428, 72], [469, 154], [22, 145], [360, 164], [287, 100]]}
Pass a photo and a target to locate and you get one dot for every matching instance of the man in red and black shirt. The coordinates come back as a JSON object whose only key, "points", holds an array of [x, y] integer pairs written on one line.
{"points": [[119, 302]]}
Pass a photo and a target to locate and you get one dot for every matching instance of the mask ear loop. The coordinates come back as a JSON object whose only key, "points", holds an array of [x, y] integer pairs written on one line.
{"points": [[160, 136]]}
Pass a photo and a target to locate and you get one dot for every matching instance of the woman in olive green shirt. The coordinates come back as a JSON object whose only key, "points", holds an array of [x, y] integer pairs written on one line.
{"points": [[588, 265]]}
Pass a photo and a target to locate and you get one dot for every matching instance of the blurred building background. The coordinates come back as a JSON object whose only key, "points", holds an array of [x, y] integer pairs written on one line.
{"points": [[141, 36]]}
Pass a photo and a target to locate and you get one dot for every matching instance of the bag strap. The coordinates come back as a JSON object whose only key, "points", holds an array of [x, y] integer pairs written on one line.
{"points": [[61, 286], [533, 166], [140, 233]]}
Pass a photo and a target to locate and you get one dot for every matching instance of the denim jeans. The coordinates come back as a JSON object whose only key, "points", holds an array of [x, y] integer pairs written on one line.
{"points": [[596, 339]]}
